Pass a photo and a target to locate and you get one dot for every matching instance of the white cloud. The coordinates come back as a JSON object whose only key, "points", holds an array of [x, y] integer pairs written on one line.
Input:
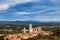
{"points": [[22, 13], [17, 15], [4, 6], [53, 11], [56, 2], [14, 2]]}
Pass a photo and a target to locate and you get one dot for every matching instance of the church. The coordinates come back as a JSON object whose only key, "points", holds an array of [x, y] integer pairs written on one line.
{"points": [[37, 30]]}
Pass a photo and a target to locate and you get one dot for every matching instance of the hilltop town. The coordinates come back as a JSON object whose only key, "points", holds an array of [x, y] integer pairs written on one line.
{"points": [[27, 33]]}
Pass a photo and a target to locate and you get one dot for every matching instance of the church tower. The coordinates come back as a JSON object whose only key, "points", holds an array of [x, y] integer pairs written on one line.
{"points": [[30, 28]]}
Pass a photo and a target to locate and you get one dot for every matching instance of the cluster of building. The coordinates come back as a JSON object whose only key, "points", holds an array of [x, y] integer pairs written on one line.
{"points": [[31, 32]]}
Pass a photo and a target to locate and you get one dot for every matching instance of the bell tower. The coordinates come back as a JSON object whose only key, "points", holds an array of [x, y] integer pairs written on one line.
{"points": [[30, 28]]}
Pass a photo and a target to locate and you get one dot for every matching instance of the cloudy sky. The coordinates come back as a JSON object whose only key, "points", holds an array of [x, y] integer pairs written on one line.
{"points": [[20, 10]]}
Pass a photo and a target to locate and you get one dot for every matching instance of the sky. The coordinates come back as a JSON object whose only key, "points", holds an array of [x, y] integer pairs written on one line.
{"points": [[21, 10]]}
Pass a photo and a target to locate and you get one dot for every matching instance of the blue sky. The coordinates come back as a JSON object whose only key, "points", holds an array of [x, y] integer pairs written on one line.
{"points": [[20, 10]]}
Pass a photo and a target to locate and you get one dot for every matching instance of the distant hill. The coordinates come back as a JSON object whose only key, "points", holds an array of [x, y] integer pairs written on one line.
{"points": [[30, 21], [17, 22]]}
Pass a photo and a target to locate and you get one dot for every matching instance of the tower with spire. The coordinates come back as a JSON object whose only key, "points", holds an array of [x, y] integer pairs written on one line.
{"points": [[30, 28]]}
